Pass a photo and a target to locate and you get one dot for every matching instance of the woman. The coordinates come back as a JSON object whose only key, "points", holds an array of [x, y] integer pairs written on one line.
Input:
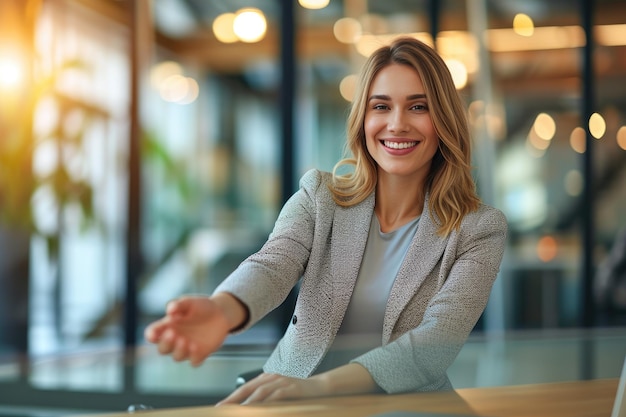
{"points": [[401, 248]]}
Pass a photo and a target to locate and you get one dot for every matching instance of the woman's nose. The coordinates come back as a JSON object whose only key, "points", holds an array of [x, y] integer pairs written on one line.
{"points": [[397, 122]]}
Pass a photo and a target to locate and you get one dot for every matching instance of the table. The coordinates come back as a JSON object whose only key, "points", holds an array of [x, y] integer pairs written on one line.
{"points": [[593, 398]]}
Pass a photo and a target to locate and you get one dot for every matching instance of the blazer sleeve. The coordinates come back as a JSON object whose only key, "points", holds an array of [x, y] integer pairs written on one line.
{"points": [[418, 359], [263, 280]]}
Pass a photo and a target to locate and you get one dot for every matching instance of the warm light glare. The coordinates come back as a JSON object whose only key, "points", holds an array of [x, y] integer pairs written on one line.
{"points": [[347, 87], [459, 73], [597, 125], [578, 140], [314, 4], [10, 71], [544, 126], [523, 25], [547, 248], [250, 25], [621, 137], [347, 30], [223, 28]]}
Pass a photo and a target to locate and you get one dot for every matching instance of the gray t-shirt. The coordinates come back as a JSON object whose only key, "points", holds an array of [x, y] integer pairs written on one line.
{"points": [[362, 326]]}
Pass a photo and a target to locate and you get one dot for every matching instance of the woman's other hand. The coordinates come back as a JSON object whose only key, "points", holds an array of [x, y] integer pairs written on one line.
{"points": [[273, 387], [348, 379]]}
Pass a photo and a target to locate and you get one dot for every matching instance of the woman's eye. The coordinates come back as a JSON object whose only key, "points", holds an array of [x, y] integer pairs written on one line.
{"points": [[380, 107], [419, 107]]}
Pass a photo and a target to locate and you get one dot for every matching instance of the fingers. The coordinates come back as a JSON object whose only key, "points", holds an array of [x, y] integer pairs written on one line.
{"points": [[165, 344], [177, 307], [265, 387], [153, 332], [244, 391], [196, 357]]}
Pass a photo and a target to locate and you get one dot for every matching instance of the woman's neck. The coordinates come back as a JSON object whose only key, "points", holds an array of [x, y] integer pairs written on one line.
{"points": [[398, 201]]}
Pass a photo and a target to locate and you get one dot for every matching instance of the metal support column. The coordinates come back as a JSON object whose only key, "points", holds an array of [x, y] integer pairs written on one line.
{"points": [[287, 96], [587, 318]]}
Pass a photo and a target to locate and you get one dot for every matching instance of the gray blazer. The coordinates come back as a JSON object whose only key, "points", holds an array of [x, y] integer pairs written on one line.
{"points": [[439, 293]]}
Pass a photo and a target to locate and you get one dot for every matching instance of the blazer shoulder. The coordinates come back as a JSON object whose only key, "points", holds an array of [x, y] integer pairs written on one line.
{"points": [[315, 183], [485, 217]]}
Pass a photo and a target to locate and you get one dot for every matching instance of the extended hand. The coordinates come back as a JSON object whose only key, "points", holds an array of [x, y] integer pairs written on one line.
{"points": [[273, 387], [192, 329]]}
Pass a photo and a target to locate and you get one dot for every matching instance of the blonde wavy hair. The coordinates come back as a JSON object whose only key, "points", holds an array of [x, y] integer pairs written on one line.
{"points": [[451, 188]]}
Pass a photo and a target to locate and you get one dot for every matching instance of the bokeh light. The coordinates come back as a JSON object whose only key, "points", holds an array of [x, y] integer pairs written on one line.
{"points": [[578, 140], [597, 126], [621, 137], [223, 28], [250, 25], [173, 86], [544, 126], [347, 30], [160, 72], [547, 248], [523, 25], [347, 87], [314, 4]]}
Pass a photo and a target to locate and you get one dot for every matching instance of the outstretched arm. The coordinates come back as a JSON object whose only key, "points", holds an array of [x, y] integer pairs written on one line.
{"points": [[196, 326]]}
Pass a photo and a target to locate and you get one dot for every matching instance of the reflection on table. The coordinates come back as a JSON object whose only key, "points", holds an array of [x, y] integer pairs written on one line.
{"points": [[109, 380]]}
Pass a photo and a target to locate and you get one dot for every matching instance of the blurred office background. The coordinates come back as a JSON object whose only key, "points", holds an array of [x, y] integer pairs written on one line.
{"points": [[147, 146]]}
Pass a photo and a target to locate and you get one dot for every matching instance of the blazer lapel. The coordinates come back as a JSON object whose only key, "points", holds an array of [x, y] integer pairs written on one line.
{"points": [[349, 236], [424, 252]]}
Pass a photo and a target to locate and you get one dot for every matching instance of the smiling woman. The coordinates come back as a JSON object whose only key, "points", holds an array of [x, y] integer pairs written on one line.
{"points": [[395, 260]]}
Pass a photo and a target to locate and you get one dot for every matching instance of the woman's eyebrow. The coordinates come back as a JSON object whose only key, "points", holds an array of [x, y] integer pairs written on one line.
{"points": [[378, 97], [386, 97]]}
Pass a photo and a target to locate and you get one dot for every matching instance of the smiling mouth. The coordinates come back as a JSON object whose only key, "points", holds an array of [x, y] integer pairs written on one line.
{"points": [[399, 145]]}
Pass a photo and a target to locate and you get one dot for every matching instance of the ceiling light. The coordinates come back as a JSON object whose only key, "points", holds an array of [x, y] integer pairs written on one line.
{"points": [[314, 4], [523, 25], [250, 25], [223, 28]]}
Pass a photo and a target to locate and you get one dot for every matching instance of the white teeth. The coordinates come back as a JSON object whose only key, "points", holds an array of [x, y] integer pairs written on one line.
{"points": [[399, 145]]}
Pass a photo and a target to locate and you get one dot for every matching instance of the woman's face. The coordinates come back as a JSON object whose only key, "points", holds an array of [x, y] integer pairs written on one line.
{"points": [[399, 131]]}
